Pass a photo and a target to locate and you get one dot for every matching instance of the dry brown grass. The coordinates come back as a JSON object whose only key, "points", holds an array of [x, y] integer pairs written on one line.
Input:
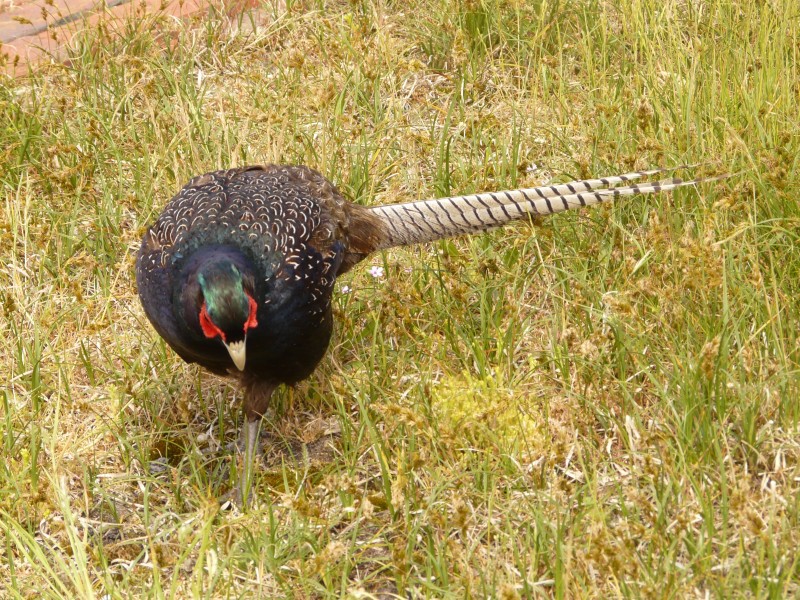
{"points": [[604, 405]]}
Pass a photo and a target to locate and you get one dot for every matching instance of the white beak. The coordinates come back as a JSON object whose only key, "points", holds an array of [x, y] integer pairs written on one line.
{"points": [[237, 352]]}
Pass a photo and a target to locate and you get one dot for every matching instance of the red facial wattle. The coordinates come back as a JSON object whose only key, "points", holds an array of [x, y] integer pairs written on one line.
{"points": [[251, 319], [209, 329]]}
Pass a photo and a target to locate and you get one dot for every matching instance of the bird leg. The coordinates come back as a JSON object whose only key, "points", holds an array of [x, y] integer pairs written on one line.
{"points": [[250, 443], [257, 394]]}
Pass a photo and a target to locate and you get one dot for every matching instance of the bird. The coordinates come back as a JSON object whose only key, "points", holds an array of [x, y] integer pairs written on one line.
{"points": [[237, 273]]}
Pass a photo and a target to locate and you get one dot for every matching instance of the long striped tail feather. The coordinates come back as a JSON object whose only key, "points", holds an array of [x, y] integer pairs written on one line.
{"points": [[430, 220]]}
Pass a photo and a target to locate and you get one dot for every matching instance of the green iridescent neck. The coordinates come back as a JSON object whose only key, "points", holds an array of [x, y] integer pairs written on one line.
{"points": [[225, 298]]}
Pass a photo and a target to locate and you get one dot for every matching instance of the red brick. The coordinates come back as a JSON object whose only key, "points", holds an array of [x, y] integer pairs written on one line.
{"points": [[35, 42]]}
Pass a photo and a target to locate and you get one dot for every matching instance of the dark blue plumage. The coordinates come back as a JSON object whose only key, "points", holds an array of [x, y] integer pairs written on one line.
{"points": [[269, 224]]}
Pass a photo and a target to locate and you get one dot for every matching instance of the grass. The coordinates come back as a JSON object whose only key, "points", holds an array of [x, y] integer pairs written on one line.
{"points": [[602, 406]]}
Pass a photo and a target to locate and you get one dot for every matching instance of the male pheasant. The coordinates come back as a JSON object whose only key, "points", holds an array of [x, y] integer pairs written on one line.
{"points": [[237, 273]]}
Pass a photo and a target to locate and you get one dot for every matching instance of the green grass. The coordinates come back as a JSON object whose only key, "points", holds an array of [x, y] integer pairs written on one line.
{"points": [[605, 405]]}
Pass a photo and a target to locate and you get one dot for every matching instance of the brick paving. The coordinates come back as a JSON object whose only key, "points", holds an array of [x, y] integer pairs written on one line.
{"points": [[36, 31]]}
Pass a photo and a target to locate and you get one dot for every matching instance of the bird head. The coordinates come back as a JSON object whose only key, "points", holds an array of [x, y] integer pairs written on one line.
{"points": [[227, 310]]}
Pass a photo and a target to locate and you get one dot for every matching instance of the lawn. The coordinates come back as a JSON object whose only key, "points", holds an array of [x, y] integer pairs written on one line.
{"points": [[605, 403]]}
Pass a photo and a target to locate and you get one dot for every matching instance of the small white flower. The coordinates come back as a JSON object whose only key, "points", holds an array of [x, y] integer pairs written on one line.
{"points": [[346, 289], [376, 272]]}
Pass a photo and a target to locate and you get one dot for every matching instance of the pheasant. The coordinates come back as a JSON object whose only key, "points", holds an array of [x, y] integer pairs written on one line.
{"points": [[237, 272]]}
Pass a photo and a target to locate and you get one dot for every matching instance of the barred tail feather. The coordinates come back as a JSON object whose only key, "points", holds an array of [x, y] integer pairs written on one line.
{"points": [[585, 185], [430, 220]]}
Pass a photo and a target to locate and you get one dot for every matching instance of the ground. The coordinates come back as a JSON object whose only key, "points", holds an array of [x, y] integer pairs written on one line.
{"points": [[602, 404]]}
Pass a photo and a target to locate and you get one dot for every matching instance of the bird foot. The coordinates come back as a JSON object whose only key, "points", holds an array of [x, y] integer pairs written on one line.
{"points": [[239, 447], [240, 444], [230, 499]]}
